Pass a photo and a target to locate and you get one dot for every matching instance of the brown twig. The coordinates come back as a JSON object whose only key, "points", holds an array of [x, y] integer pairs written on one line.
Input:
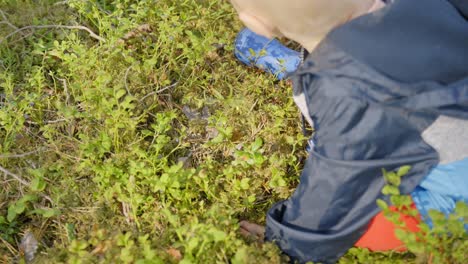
{"points": [[48, 122], [91, 33], [159, 91], [20, 155], [65, 89], [166, 87], [12, 249], [6, 21], [431, 257], [126, 80], [16, 177], [24, 182]]}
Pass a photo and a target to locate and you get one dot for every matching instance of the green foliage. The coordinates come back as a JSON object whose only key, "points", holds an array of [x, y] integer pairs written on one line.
{"points": [[445, 242], [147, 147]]}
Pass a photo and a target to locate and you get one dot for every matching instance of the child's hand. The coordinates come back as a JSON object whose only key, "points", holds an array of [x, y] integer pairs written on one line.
{"points": [[252, 231]]}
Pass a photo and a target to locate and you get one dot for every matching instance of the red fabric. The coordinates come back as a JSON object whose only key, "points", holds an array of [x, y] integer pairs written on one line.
{"points": [[381, 233]]}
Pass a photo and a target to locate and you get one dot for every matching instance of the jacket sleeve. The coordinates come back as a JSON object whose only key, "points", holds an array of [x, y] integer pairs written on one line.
{"points": [[356, 137]]}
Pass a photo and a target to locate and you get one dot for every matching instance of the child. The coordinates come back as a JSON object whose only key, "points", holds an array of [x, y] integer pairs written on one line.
{"points": [[384, 86]]}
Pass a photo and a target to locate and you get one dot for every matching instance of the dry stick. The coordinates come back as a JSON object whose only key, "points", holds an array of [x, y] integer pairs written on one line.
{"points": [[165, 88], [47, 122], [6, 21], [20, 155], [9, 246], [125, 80], [8, 24], [61, 3], [91, 33], [159, 91], [21, 38], [18, 178], [65, 89]]}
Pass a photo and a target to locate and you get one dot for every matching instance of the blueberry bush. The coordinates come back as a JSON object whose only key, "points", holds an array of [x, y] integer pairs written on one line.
{"points": [[129, 133]]}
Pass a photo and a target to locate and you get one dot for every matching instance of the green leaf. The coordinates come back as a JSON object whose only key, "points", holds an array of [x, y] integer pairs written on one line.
{"points": [[70, 227], [403, 171], [19, 207], [186, 261], [252, 52], [390, 190], [395, 200], [245, 184], [28, 198], [120, 93], [389, 176], [258, 158], [192, 244], [55, 53], [47, 212], [400, 234], [11, 214], [240, 257], [37, 172], [38, 184], [251, 198], [218, 235], [382, 204], [394, 180], [257, 144]]}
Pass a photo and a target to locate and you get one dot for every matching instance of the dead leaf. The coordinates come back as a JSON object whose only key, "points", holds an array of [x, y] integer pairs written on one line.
{"points": [[28, 246], [186, 161], [212, 55], [175, 253], [100, 249], [205, 114], [211, 132], [126, 211], [190, 113], [145, 28]]}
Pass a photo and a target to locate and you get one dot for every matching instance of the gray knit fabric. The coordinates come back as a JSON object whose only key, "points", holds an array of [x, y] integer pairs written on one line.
{"points": [[449, 136]]}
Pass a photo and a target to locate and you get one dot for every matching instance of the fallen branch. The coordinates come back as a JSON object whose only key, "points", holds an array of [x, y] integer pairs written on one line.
{"points": [[167, 87], [6, 21], [91, 33], [159, 91], [47, 122], [12, 249], [20, 155], [16, 177], [24, 182]]}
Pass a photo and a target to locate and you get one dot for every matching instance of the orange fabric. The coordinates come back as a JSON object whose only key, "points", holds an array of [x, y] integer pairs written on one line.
{"points": [[380, 235]]}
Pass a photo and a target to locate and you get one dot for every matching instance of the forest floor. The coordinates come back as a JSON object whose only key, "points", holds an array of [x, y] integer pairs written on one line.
{"points": [[130, 134]]}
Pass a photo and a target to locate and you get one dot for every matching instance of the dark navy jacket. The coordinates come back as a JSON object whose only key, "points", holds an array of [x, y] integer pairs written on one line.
{"points": [[371, 88]]}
